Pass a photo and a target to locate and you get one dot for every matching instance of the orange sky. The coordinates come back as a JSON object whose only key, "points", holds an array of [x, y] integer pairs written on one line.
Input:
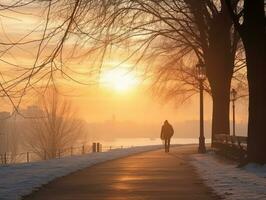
{"points": [[121, 94]]}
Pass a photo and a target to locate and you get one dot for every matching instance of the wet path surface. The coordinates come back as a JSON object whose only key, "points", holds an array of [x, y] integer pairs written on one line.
{"points": [[152, 175]]}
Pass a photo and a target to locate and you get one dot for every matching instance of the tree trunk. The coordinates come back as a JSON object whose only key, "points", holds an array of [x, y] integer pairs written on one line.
{"points": [[257, 100], [219, 55], [219, 67], [220, 83], [253, 36], [221, 109], [257, 106], [256, 62]]}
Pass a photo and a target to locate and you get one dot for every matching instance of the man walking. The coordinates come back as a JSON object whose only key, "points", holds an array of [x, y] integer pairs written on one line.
{"points": [[167, 132]]}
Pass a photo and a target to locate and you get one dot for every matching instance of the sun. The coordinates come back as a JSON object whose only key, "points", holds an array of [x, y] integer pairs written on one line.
{"points": [[119, 79]]}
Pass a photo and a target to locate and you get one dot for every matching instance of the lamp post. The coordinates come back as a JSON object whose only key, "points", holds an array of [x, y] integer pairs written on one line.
{"points": [[233, 99], [201, 75]]}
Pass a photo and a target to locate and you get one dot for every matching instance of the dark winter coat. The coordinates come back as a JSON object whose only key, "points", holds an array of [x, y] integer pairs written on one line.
{"points": [[167, 131]]}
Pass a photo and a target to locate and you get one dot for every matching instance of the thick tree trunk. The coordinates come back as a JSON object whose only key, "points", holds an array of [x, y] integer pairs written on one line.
{"points": [[253, 36], [221, 109], [256, 62], [219, 55], [257, 106], [219, 65], [220, 83], [257, 102]]}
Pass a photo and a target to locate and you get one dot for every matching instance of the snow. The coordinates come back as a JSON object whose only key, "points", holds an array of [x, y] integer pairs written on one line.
{"points": [[229, 181], [18, 180]]}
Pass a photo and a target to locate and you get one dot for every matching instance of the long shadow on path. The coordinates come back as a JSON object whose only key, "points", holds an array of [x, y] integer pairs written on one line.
{"points": [[152, 175]]}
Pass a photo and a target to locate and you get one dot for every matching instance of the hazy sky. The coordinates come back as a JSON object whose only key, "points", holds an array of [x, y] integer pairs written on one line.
{"points": [[120, 93]]}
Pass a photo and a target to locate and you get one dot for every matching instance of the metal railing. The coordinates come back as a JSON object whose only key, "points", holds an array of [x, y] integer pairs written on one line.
{"points": [[234, 147], [34, 156]]}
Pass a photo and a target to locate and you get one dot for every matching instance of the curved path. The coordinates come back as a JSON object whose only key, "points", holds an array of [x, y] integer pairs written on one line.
{"points": [[152, 175]]}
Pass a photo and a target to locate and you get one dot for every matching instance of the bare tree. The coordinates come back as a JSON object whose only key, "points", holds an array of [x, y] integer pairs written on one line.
{"points": [[9, 143], [16, 78], [249, 20], [55, 127], [161, 34], [7, 44]]}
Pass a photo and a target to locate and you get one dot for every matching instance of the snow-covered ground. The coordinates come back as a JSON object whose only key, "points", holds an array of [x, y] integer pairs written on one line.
{"points": [[18, 180], [230, 182]]}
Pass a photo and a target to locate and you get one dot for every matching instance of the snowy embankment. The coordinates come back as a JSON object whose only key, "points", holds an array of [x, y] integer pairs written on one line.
{"points": [[230, 182], [21, 179]]}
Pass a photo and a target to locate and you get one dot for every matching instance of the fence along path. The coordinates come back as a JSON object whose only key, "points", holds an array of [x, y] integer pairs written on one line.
{"points": [[231, 146], [33, 156]]}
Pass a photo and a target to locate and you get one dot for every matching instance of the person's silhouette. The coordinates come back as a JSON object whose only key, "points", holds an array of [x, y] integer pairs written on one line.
{"points": [[167, 132]]}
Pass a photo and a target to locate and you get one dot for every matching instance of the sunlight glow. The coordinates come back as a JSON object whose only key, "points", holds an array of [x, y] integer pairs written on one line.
{"points": [[119, 79]]}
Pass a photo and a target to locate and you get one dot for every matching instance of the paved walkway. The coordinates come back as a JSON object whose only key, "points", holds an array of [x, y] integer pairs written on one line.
{"points": [[147, 176]]}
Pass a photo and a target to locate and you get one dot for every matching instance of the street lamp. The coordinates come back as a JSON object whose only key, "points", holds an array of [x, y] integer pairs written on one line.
{"points": [[233, 99], [201, 75]]}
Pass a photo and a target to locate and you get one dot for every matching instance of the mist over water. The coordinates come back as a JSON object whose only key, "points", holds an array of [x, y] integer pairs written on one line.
{"points": [[149, 133], [127, 142]]}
